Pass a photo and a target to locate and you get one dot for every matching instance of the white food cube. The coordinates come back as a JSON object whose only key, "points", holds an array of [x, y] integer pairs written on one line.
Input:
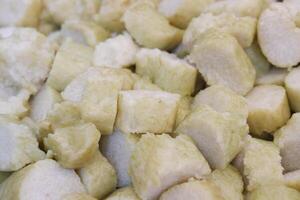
{"points": [[143, 111], [167, 71], [44, 179], [222, 61], [160, 161], [268, 109], [219, 136]]}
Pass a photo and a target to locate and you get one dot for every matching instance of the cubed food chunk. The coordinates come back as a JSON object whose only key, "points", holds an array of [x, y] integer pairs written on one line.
{"points": [[229, 181], [252, 8], [84, 32], [292, 179], [152, 173], [117, 148], [43, 102], [274, 192], [222, 100], [62, 10], [143, 111], [219, 136], [20, 12], [111, 12], [126, 193], [144, 83], [277, 32], [98, 176], [275, 76], [181, 12], [242, 28], [222, 61], [73, 146], [167, 71], [288, 140], [116, 52], [158, 33], [259, 162], [292, 86], [268, 109], [71, 60], [45, 179], [193, 190], [18, 145]]}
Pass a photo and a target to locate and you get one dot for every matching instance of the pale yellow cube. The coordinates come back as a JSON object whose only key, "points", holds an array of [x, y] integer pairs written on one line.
{"points": [[143, 111]]}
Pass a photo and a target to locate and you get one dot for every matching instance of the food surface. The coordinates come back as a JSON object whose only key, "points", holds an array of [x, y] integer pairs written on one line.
{"points": [[149, 99]]}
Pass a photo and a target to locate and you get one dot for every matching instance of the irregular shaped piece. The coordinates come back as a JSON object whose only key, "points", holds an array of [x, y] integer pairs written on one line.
{"points": [[99, 104], [181, 12], [167, 71], [229, 181], [98, 176], [143, 111], [73, 146], [111, 12], [275, 76], [259, 162], [222, 100], [292, 86], [251, 8], [157, 34], [222, 61], [62, 10], [78, 196], [219, 136], [288, 140], [75, 90], [44, 179], [193, 190], [26, 56], [71, 60], [268, 109], [160, 161], [277, 31], [20, 13], [259, 61], [116, 52], [63, 114], [242, 28], [274, 192], [43, 102], [18, 145], [84, 32], [117, 148], [292, 179], [126, 193]]}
